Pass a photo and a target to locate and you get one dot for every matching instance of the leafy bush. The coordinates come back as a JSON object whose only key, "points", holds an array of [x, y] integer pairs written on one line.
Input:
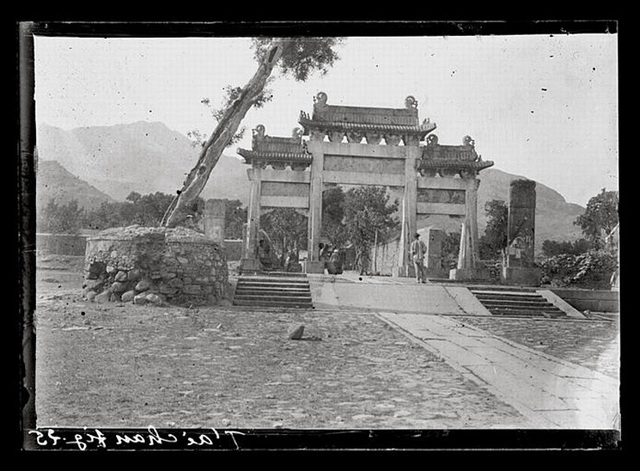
{"points": [[592, 270]]}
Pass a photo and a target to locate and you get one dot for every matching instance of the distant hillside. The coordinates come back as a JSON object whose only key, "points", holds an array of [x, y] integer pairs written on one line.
{"points": [[144, 156], [53, 181], [149, 157]]}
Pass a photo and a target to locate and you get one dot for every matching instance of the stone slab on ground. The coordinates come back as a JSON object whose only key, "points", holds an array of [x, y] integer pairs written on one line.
{"points": [[419, 298], [539, 386]]}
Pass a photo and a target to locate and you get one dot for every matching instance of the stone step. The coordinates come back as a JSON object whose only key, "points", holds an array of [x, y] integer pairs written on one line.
{"points": [[517, 303], [523, 302], [279, 274], [519, 300], [271, 303], [273, 281], [271, 293], [274, 288], [506, 294], [526, 312], [549, 307]]}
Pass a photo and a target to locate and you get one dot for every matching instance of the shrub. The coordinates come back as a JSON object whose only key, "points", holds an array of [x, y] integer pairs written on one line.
{"points": [[592, 270]]}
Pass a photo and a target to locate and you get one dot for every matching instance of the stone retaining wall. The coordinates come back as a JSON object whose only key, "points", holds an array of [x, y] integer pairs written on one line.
{"points": [[155, 265], [592, 300]]}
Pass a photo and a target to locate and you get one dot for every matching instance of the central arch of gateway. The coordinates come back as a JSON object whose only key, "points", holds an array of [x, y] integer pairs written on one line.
{"points": [[355, 145]]}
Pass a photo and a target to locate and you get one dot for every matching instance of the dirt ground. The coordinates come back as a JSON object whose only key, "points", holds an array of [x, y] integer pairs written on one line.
{"points": [[122, 365]]}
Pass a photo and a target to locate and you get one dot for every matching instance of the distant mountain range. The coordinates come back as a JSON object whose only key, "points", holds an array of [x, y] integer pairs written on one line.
{"points": [[106, 163]]}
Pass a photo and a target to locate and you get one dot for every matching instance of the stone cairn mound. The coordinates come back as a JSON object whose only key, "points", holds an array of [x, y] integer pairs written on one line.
{"points": [[155, 265]]}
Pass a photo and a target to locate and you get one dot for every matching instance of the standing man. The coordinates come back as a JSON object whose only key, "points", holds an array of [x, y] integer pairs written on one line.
{"points": [[418, 249]]}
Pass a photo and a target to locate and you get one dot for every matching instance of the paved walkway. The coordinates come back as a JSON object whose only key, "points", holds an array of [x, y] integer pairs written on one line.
{"points": [[550, 392]]}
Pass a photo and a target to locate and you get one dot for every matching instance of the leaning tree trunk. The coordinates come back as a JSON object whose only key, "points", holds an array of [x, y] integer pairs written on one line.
{"points": [[221, 137]]}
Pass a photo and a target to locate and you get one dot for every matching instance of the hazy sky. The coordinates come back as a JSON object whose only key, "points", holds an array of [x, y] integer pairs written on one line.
{"points": [[541, 106]]}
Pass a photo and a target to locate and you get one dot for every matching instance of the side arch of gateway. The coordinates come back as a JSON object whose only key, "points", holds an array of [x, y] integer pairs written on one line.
{"points": [[344, 145]]}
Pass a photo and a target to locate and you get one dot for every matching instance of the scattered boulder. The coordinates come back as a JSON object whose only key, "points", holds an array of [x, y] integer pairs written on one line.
{"points": [[134, 275], [128, 296], [118, 287], [102, 297], [121, 276], [295, 332], [154, 299], [93, 284], [140, 299], [90, 295], [143, 285]]}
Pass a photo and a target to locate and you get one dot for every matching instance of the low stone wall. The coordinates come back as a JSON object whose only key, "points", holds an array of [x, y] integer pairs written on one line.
{"points": [[384, 257], [592, 300], [61, 244], [155, 265]]}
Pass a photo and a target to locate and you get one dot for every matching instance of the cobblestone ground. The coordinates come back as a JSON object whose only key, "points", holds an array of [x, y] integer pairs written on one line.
{"points": [[136, 366], [120, 365], [593, 343]]}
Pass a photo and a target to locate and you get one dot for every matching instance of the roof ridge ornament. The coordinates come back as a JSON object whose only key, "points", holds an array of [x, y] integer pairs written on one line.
{"points": [[411, 103], [320, 100]]}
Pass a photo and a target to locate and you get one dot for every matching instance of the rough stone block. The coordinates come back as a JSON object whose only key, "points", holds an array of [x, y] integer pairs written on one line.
{"points": [[143, 284], [295, 332], [90, 295], [102, 297], [134, 274], [192, 289], [121, 276], [128, 296], [118, 287], [93, 284], [140, 299], [165, 288], [176, 283], [153, 298]]}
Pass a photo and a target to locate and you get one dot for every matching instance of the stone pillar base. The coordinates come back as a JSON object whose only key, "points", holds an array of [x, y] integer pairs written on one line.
{"points": [[250, 265], [404, 271], [469, 274], [309, 266], [433, 272], [521, 276]]}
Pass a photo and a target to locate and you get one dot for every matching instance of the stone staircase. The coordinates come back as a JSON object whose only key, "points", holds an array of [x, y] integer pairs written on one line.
{"points": [[516, 302], [273, 289]]}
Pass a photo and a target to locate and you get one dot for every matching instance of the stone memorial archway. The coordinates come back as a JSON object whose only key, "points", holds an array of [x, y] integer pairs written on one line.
{"points": [[353, 145]]}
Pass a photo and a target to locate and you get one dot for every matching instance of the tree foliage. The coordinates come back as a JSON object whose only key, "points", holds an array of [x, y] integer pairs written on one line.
{"points": [[592, 270], [367, 211], [333, 227], [302, 55], [551, 248], [494, 240], [287, 230], [296, 57], [60, 218], [600, 217]]}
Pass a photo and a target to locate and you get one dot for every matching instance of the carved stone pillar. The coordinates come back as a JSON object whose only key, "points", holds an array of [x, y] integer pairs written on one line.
{"points": [[469, 254], [250, 260], [519, 267], [313, 263], [409, 212], [214, 220]]}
